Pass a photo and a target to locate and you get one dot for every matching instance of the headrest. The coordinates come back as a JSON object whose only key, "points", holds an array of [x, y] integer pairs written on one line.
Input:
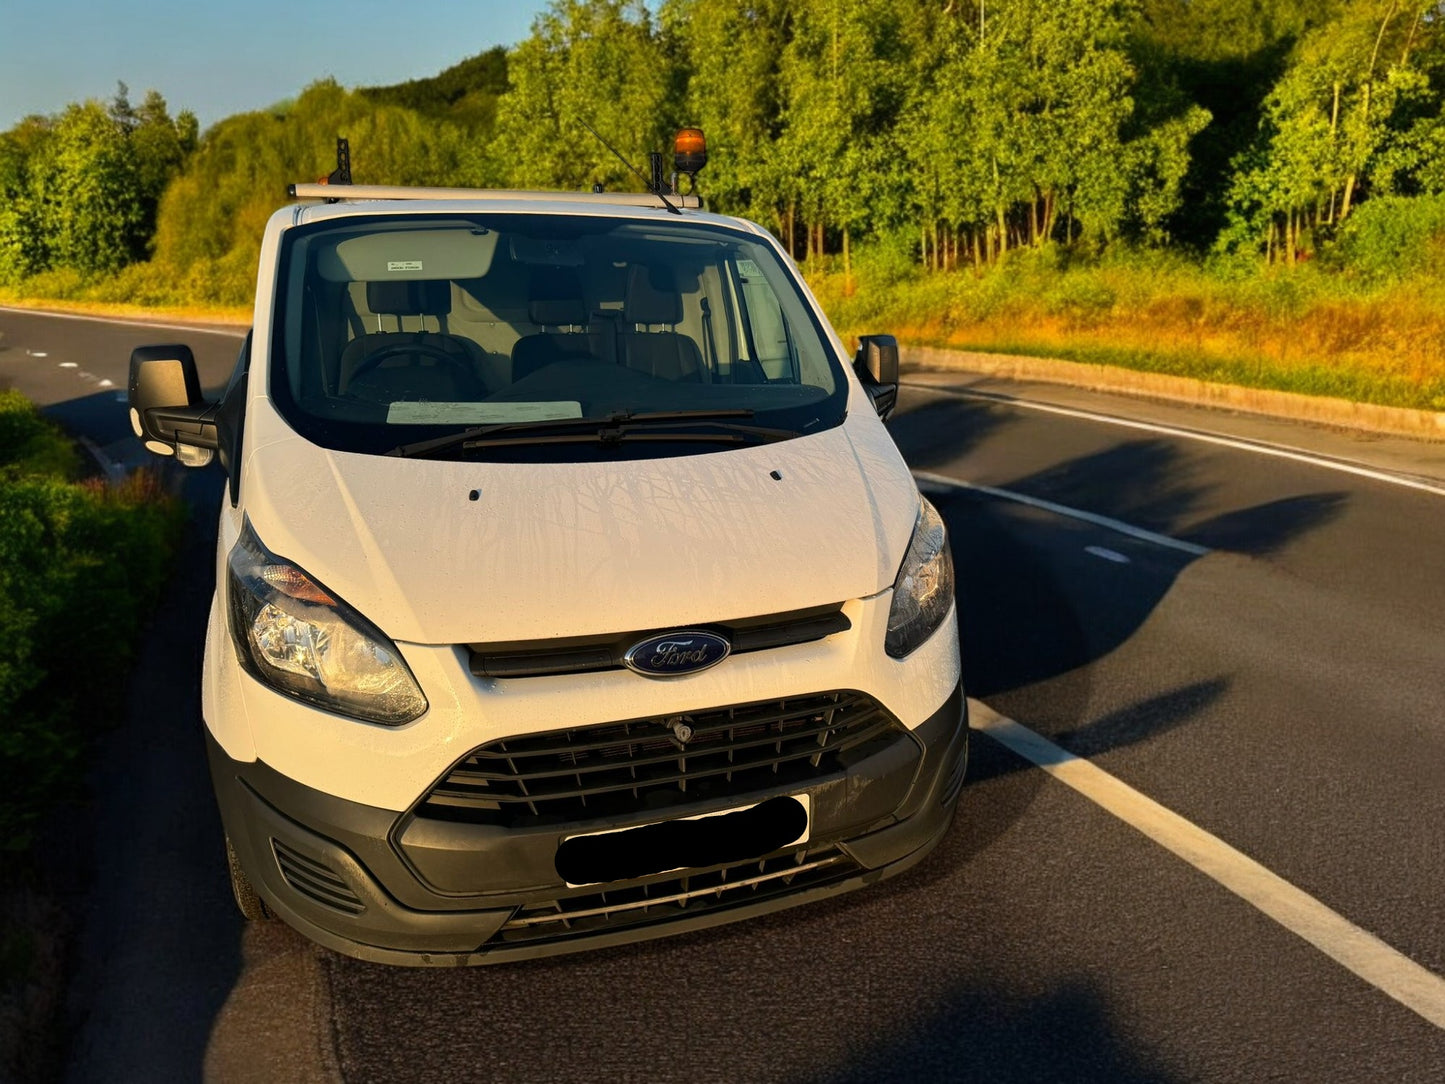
{"points": [[652, 296], [555, 297], [414, 297]]}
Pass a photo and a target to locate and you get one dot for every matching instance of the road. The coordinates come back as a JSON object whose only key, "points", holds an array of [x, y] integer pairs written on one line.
{"points": [[1252, 640]]}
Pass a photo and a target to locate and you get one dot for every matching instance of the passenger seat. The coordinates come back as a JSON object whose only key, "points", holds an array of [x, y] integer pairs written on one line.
{"points": [[653, 300], [555, 301]]}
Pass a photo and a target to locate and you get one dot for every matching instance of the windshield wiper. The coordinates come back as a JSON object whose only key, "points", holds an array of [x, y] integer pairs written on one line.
{"points": [[646, 429], [462, 438]]}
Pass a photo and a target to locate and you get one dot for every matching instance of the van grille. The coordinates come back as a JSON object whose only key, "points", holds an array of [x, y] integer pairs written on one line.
{"points": [[676, 897], [642, 766]]}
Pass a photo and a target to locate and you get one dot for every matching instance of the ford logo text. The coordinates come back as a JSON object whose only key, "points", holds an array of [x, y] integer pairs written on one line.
{"points": [[676, 653]]}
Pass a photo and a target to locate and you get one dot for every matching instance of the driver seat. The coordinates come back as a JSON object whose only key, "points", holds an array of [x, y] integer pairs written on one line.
{"points": [[418, 375]]}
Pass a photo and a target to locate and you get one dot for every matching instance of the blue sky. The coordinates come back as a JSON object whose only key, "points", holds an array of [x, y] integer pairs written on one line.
{"points": [[218, 59]]}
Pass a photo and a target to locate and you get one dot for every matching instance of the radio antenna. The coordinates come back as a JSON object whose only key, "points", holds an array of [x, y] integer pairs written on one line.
{"points": [[656, 190]]}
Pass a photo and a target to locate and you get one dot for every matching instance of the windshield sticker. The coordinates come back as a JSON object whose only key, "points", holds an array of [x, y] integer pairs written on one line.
{"points": [[403, 265], [480, 413], [749, 270]]}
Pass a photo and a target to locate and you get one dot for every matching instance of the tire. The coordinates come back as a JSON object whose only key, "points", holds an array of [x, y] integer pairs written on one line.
{"points": [[252, 907]]}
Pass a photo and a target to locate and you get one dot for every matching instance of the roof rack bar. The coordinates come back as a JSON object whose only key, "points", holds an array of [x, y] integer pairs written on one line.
{"points": [[353, 192]]}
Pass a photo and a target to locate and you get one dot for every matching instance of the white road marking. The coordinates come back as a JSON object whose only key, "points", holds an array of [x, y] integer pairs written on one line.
{"points": [[235, 333], [1107, 554], [36, 354], [1361, 952], [1279, 451], [106, 384], [68, 365], [942, 482]]}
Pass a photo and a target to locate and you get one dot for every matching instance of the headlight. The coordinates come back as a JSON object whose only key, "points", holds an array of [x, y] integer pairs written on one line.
{"points": [[294, 636], [923, 591]]}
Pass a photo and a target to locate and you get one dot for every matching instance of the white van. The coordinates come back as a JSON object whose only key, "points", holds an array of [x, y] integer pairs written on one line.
{"points": [[570, 590]]}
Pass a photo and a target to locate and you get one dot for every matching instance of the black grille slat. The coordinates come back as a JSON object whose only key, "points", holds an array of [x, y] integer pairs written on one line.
{"points": [[615, 768], [679, 896], [605, 652], [560, 744], [693, 748], [681, 777], [316, 880]]}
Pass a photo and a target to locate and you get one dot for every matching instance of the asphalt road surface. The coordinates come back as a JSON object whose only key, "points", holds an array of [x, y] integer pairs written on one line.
{"points": [[1253, 640]]}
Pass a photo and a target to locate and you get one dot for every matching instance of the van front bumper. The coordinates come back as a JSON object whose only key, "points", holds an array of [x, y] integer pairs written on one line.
{"points": [[368, 883]]}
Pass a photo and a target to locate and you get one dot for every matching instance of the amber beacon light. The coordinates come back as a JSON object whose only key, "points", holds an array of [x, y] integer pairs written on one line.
{"points": [[689, 151]]}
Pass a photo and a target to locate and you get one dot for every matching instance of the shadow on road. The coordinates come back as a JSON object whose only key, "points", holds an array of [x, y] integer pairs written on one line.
{"points": [[159, 951], [1268, 528], [975, 1035], [931, 432]]}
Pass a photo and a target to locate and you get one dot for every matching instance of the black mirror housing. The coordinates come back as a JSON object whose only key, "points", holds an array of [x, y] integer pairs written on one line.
{"points": [[876, 364], [167, 411]]}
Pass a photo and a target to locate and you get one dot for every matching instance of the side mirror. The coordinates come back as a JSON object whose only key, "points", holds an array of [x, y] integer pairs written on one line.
{"points": [[876, 364], [166, 408]]}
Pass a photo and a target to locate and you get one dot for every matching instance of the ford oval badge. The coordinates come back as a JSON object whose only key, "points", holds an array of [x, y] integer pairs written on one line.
{"points": [[676, 653]]}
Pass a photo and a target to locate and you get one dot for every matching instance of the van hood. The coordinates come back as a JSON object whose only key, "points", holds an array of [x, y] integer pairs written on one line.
{"points": [[440, 552]]}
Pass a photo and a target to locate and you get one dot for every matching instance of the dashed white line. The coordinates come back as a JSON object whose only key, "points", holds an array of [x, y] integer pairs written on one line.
{"points": [[1107, 554], [1383, 967], [1279, 451], [942, 482]]}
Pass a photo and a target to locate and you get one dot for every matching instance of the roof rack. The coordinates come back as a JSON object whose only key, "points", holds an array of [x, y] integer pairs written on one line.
{"points": [[349, 192]]}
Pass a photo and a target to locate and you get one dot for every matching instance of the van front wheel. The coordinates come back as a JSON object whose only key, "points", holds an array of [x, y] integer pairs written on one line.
{"points": [[252, 907]]}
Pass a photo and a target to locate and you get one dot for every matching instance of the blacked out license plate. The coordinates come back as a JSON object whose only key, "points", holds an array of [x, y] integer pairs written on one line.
{"points": [[712, 839]]}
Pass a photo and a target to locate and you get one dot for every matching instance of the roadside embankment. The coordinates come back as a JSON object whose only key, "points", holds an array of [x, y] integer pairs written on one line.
{"points": [[221, 317], [1316, 409]]}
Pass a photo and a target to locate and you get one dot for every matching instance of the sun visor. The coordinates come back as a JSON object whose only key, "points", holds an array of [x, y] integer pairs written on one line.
{"points": [[407, 254]]}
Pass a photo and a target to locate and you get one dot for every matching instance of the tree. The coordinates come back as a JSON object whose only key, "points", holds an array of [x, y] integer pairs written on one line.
{"points": [[85, 191], [22, 240], [601, 62], [1342, 108], [732, 55]]}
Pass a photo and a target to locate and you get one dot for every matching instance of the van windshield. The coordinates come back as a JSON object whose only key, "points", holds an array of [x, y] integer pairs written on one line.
{"points": [[397, 331]]}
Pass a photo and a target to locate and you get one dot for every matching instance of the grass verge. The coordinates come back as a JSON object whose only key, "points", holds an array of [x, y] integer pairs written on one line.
{"points": [[1310, 330], [195, 314]]}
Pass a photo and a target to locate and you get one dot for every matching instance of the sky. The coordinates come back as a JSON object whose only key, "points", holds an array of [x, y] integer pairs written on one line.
{"points": [[216, 59]]}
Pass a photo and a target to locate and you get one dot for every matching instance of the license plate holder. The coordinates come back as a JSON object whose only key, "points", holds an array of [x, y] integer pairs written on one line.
{"points": [[709, 839]]}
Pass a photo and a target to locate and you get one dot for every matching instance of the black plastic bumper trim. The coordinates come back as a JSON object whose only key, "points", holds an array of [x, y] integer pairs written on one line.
{"points": [[403, 922]]}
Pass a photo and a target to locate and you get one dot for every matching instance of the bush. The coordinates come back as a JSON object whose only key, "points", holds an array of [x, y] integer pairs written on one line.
{"points": [[28, 445], [1391, 238], [80, 564]]}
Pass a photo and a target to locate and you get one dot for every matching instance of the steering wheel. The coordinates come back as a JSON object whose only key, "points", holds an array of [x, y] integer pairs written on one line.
{"points": [[469, 379]]}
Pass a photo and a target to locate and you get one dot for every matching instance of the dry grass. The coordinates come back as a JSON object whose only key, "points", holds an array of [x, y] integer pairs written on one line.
{"points": [[194, 314], [1309, 331]]}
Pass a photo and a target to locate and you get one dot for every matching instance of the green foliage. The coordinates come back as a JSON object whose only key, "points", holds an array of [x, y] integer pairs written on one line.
{"points": [[212, 216], [956, 133], [1356, 110], [29, 445], [79, 565], [601, 62], [80, 190], [1394, 238], [466, 93]]}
